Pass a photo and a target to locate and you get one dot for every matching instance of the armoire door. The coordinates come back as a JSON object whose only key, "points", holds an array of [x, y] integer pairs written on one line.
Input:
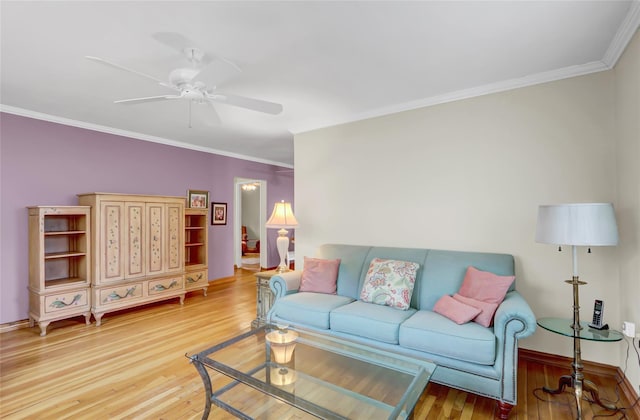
{"points": [[111, 241], [135, 237]]}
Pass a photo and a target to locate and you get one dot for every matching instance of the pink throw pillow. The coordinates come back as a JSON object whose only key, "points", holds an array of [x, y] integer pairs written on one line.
{"points": [[485, 286], [487, 309], [455, 310], [319, 275]]}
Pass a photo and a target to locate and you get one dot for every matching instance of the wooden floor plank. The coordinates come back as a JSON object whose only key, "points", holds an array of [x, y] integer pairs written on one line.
{"points": [[134, 366]]}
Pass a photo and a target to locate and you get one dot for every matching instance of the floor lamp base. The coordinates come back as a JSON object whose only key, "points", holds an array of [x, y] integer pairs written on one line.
{"points": [[576, 379], [587, 386]]}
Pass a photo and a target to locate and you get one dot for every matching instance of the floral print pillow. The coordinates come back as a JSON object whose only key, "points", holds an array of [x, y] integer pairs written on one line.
{"points": [[390, 283]]}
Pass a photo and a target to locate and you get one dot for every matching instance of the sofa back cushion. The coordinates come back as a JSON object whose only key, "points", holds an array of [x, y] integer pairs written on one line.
{"points": [[390, 283], [390, 253], [444, 272], [352, 259], [440, 273], [319, 275]]}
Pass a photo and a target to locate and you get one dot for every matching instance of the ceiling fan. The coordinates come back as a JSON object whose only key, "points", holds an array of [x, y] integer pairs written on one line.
{"points": [[182, 80]]}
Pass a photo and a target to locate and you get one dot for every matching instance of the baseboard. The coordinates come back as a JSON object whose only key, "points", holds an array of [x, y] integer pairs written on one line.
{"points": [[12, 326], [630, 393], [590, 368], [549, 359]]}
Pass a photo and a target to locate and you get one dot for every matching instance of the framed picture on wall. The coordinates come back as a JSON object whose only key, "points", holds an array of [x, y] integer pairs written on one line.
{"points": [[198, 199], [218, 213]]}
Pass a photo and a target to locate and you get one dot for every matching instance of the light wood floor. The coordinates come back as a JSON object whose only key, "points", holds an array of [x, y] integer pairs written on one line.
{"points": [[134, 367]]}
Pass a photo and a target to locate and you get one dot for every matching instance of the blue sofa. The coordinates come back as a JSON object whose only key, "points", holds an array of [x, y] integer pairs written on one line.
{"points": [[469, 356]]}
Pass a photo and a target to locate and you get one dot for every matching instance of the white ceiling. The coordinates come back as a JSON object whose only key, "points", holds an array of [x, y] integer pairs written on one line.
{"points": [[326, 62]]}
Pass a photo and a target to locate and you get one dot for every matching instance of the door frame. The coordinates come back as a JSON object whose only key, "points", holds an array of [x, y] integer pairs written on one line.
{"points": [[237, 219]]}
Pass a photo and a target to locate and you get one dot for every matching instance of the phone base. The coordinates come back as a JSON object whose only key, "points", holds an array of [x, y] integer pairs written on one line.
{"points": [[601, 327]]}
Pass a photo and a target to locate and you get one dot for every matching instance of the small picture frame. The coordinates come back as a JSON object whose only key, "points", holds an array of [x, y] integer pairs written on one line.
{"points": [[218, 213], [197, 199]]}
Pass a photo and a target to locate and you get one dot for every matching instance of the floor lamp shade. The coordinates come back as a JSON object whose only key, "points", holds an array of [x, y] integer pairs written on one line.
{"points": [[582, 224], [282, 218]]}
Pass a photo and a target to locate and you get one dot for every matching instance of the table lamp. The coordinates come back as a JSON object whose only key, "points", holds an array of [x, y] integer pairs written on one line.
{"points": [[282, 218], [582, 224], [283, 377], [283, 343]]}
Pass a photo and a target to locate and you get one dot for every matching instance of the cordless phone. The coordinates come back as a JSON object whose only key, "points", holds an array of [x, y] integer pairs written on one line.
{"points": [[598, 314]]}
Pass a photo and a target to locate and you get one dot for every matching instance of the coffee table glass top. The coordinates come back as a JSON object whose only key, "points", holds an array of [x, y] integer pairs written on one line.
{"points": [[564, 326], [326, 377]]}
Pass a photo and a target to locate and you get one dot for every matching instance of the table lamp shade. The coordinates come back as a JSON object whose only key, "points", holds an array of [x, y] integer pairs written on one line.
{"points": [[582, 224], [283, 344], [282, 217]]}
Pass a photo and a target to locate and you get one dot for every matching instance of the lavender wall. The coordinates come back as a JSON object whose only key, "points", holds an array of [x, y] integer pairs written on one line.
{"points": [[44, 163]]}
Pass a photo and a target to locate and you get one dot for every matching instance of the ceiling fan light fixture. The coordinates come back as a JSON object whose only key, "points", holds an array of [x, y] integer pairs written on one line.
{"points": [[194, 94], [249, 187], [182, 76]]}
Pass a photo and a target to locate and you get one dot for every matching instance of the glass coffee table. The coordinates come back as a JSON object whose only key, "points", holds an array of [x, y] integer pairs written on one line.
{"points": [[281, 372]]}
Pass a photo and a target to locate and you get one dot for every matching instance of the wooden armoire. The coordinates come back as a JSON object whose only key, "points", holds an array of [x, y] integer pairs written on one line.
{"points": [[137, 250]]}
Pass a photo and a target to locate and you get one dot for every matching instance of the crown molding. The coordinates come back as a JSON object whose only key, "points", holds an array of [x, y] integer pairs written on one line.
{"points": [[535, 79], [623, 36], [130, 134]]}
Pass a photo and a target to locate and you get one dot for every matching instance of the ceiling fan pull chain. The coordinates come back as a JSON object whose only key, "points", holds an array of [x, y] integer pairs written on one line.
{"points": [[190, 112]]}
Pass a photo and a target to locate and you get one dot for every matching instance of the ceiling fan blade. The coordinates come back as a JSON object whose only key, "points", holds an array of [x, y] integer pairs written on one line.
{"points": [[226, 60], [189, 48], [119, 67], [214, 117], [174, 40], [244, 102], [147, 99]]}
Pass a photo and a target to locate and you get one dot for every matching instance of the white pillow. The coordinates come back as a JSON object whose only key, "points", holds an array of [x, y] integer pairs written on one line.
{"points": [[389, 282]]}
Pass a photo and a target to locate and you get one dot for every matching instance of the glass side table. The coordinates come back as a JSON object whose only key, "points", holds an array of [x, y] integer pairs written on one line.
{"points": [[564, 326]]}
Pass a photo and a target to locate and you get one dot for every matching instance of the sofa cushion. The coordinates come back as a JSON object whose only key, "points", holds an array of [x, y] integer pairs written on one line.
{"points": [[455, 310], [487, 309], [390, 282], [319, 275], [368, 320], [433, 333], [485, 286], [309, 308]]}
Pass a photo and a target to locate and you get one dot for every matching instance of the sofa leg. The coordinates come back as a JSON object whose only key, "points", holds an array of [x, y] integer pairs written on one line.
{"points": [[503, 410]]}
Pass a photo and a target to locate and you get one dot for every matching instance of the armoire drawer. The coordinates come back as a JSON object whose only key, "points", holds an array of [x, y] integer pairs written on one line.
{"points": [[196, 279], [165, 285], [75, 300], [118, 294]]}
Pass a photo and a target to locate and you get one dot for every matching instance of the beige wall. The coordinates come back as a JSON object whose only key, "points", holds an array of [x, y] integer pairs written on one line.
{"points": [[627, 78], [469, 175]]}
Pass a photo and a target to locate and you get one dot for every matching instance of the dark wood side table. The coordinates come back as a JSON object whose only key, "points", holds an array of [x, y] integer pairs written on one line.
{"points": [[564, 326], [264, 297]]}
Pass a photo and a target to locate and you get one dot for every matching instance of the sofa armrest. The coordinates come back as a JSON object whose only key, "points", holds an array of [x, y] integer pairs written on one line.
{"points": [[515, 308], [285, 283], [514, 319]]}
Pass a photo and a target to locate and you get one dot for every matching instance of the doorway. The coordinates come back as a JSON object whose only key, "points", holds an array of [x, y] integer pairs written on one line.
{"points": [[250, 251]]}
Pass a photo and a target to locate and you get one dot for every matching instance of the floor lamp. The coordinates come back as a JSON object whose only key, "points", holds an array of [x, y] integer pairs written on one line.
{"points": [[282, 218], [583, 224]]}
